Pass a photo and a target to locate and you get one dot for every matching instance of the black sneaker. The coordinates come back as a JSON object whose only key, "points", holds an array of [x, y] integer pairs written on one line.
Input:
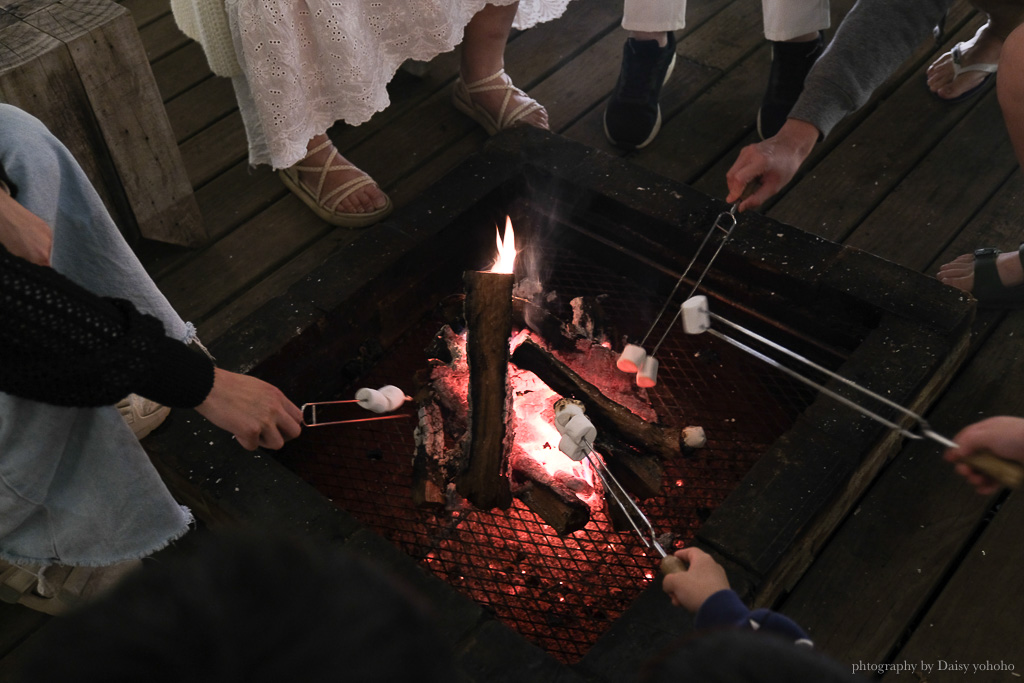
{"points": [[790, 64], [633, 116]]}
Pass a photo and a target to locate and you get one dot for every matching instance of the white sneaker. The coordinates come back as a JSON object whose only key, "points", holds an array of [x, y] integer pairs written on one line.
{"points": [[141, 414]]}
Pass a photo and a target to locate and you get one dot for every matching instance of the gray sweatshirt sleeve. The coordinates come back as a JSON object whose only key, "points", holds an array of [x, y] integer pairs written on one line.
{"points": [[874, 39]]}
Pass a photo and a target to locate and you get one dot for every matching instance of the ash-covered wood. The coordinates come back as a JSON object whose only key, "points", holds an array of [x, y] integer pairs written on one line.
{"points": [[488, 329], [553, 497], [606, 414], [427, 464]]}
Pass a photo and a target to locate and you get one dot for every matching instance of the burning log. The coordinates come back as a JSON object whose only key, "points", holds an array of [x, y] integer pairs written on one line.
{"points": [[489, 327], [553, 498], [429, 458], [564, 515], [640, 475], [666, 442]]}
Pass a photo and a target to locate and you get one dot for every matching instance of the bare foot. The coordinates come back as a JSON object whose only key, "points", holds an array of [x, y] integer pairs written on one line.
{"points": [[960, 271], [366, 199], [492, 100], [983, 48]]}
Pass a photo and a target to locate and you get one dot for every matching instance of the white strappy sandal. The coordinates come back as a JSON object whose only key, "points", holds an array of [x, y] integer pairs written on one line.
{"points": [[463, 101], [957, 59], [326, 206]]}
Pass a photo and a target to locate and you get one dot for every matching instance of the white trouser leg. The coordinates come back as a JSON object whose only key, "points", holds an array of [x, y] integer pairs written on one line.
{"points": [[787, 19], [653, 16]]}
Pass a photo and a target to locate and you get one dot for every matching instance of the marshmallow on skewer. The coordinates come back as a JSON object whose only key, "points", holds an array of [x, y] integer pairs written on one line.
{"points": [[572, 448], [647, 377], [381, 400], [566, 410], [395, 396], [694, 437], [631, 358], [696, 317], [580, 429]]}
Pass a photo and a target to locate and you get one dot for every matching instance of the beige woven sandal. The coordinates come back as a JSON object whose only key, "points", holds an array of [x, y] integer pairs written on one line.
{"points": [[326, 206], [462, 99], [57, 589]]}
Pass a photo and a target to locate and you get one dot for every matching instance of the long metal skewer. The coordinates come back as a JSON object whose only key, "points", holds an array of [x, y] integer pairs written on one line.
{"points": [[823, 389], [726, 222], [633, 513], [312, 422], [1008, 473], [728, 217]]}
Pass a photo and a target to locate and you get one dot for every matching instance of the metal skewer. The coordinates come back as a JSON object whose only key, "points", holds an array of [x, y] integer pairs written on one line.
{"points": [[385, 399], [726, 222], [634, 358], [1007, 473], [312, 422], [637, 519]]}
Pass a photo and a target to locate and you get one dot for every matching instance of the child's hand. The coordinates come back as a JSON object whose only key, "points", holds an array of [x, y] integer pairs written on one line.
{"points": [[702, 578]]}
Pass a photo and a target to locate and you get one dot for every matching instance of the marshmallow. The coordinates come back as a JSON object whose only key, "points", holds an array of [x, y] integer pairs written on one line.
{"points": [[696, 317], [572, 448], [372, 400], [631, 358], [394, 396], [648, 375], [564, 413], [694, 437], [580, 429]]}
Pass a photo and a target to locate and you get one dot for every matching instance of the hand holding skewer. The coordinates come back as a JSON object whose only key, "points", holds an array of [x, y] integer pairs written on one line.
{"points": [[772, 163], [691, 577], [990, 453], [383, 400]]}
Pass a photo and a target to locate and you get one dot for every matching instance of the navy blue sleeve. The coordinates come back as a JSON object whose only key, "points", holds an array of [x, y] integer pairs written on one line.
{"points": [[725, 608]]}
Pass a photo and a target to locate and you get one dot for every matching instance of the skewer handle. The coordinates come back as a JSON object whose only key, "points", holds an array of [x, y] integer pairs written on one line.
{"points": [[1008, 473], [753, 186], [670, 564]]}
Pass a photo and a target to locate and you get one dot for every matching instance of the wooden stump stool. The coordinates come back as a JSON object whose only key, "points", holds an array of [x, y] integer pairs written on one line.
{"points": [[80, 67]]}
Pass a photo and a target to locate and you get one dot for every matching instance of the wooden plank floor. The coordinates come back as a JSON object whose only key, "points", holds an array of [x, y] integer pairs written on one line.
{"points": [[923, 569]]}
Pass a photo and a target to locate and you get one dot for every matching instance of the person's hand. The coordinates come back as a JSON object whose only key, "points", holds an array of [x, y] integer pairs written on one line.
{"points": [[702, 578], [1001, 436], [257, 413], [23, 233], [773, 162]]}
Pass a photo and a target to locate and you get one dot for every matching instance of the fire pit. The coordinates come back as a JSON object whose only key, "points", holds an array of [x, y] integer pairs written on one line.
{"points": [[780, 468]]}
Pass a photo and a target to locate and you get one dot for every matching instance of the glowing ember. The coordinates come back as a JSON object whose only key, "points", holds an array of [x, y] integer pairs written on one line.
{"points": [[506, 249], [537, 437]]}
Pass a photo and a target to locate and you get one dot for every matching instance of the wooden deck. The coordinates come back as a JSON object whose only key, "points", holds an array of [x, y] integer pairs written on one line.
{"points": [[924, 569]]}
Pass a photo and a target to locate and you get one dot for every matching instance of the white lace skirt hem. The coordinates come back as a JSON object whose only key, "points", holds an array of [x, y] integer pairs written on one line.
{"points": [[309, 63]]}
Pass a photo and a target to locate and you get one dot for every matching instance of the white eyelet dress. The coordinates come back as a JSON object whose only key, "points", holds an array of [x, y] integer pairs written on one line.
{"points": [[303, 65]]}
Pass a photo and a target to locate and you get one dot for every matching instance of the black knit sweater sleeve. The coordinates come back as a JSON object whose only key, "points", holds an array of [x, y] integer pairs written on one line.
{"points": [[61, 344]]}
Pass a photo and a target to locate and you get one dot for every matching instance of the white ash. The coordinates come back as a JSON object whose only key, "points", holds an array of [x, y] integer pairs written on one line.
{"points": [[527, 288], [588, 318]]}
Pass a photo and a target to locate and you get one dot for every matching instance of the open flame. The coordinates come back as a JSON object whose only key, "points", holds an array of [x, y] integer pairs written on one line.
{"points": [[506, 258]]}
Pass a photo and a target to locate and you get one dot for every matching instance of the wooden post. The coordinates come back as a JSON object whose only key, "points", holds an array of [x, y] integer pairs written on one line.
{"points": [[488, 329], [79, 66]]}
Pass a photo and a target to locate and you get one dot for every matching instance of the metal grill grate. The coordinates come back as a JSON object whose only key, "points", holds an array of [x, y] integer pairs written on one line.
{"points": [[561, 593]]}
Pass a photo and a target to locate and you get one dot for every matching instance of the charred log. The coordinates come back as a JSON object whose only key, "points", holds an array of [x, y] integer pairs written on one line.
{"points": [[638, 473], [606, 414], [564, 515], [425, 491], [553, 497]]}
